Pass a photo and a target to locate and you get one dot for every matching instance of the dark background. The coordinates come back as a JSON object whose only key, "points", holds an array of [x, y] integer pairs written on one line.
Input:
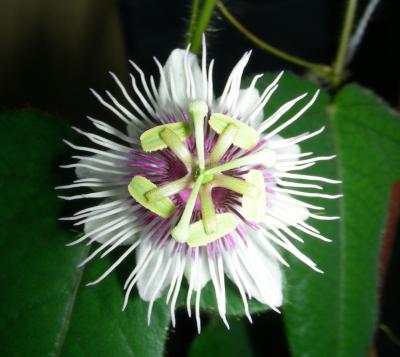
{"points": [[51, 52]]}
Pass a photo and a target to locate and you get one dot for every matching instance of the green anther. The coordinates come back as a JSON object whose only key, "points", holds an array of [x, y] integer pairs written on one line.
{"points": [[198, 111], [246, 137], [176, 146], [181, 231], [199, 237], [237, 185], [207, 210], [265, 157], [152, 141], [139, 187], [223, 143], [168, 189], [254, 208]]}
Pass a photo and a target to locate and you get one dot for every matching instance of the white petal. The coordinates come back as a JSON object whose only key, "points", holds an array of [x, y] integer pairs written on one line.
{"points": [[134, 132], [287, 150], [123, 219], [246, 104], [259, 271], [148, 283], [288, 208], [201, 275], [178, 80], [103, 167]]}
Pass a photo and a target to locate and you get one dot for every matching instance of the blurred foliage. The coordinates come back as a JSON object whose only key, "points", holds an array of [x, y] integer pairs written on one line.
{"points": [[52, 52]]}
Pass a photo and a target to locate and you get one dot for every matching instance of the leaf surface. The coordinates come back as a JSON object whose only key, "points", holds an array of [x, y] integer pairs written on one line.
{"points": [[45, 309], [334, 314], [217, 341]]}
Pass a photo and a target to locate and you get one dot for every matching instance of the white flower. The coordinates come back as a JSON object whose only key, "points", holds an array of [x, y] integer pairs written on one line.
{"points": [[199, 187]]}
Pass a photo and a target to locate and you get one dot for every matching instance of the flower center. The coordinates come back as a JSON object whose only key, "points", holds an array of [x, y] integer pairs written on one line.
{"points": [[204, 175], [206, 178]]}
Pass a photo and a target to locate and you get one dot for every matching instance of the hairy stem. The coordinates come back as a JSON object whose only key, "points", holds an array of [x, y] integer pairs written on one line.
{"points": [[340, 60], [359, 32], [193, 20], [321, 69], [201, 24]]}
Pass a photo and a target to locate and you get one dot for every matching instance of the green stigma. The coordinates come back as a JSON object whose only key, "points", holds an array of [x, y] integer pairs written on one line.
{"points": [[206, 178]]}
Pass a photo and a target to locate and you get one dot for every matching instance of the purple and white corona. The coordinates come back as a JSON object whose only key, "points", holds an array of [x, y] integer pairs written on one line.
{"points": [[198, 186]]}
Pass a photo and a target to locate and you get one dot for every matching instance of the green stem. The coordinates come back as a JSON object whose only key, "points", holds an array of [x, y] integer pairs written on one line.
{"points": [[389, 333], [193, 19], [202, 24], [340, 60], [321, 69]]}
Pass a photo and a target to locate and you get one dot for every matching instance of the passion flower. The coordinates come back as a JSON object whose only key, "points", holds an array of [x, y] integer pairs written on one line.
{"points": [[199, 187]]}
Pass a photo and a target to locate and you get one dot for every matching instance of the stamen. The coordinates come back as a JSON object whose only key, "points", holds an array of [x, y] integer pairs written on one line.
{"points": [[176, 146], [198, 236], [246, 137], [223, 143], [198, 111], [169, 189], [151, 140], [208, 209], [254, 207], [265, 157], [181, 231], [138, 188], [237, 185]]}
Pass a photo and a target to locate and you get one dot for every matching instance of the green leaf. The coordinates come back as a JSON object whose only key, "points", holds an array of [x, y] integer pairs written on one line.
{"points": [[45, 308], [216, 341], [335, 314], [99, 327]]}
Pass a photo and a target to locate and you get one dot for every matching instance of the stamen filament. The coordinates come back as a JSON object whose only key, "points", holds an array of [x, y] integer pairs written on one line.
{"points": [[223, 143], [265, 157], [198, 111], [237, 185], [176, 146], [208, 210], [181, 231], [168, 189]]}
